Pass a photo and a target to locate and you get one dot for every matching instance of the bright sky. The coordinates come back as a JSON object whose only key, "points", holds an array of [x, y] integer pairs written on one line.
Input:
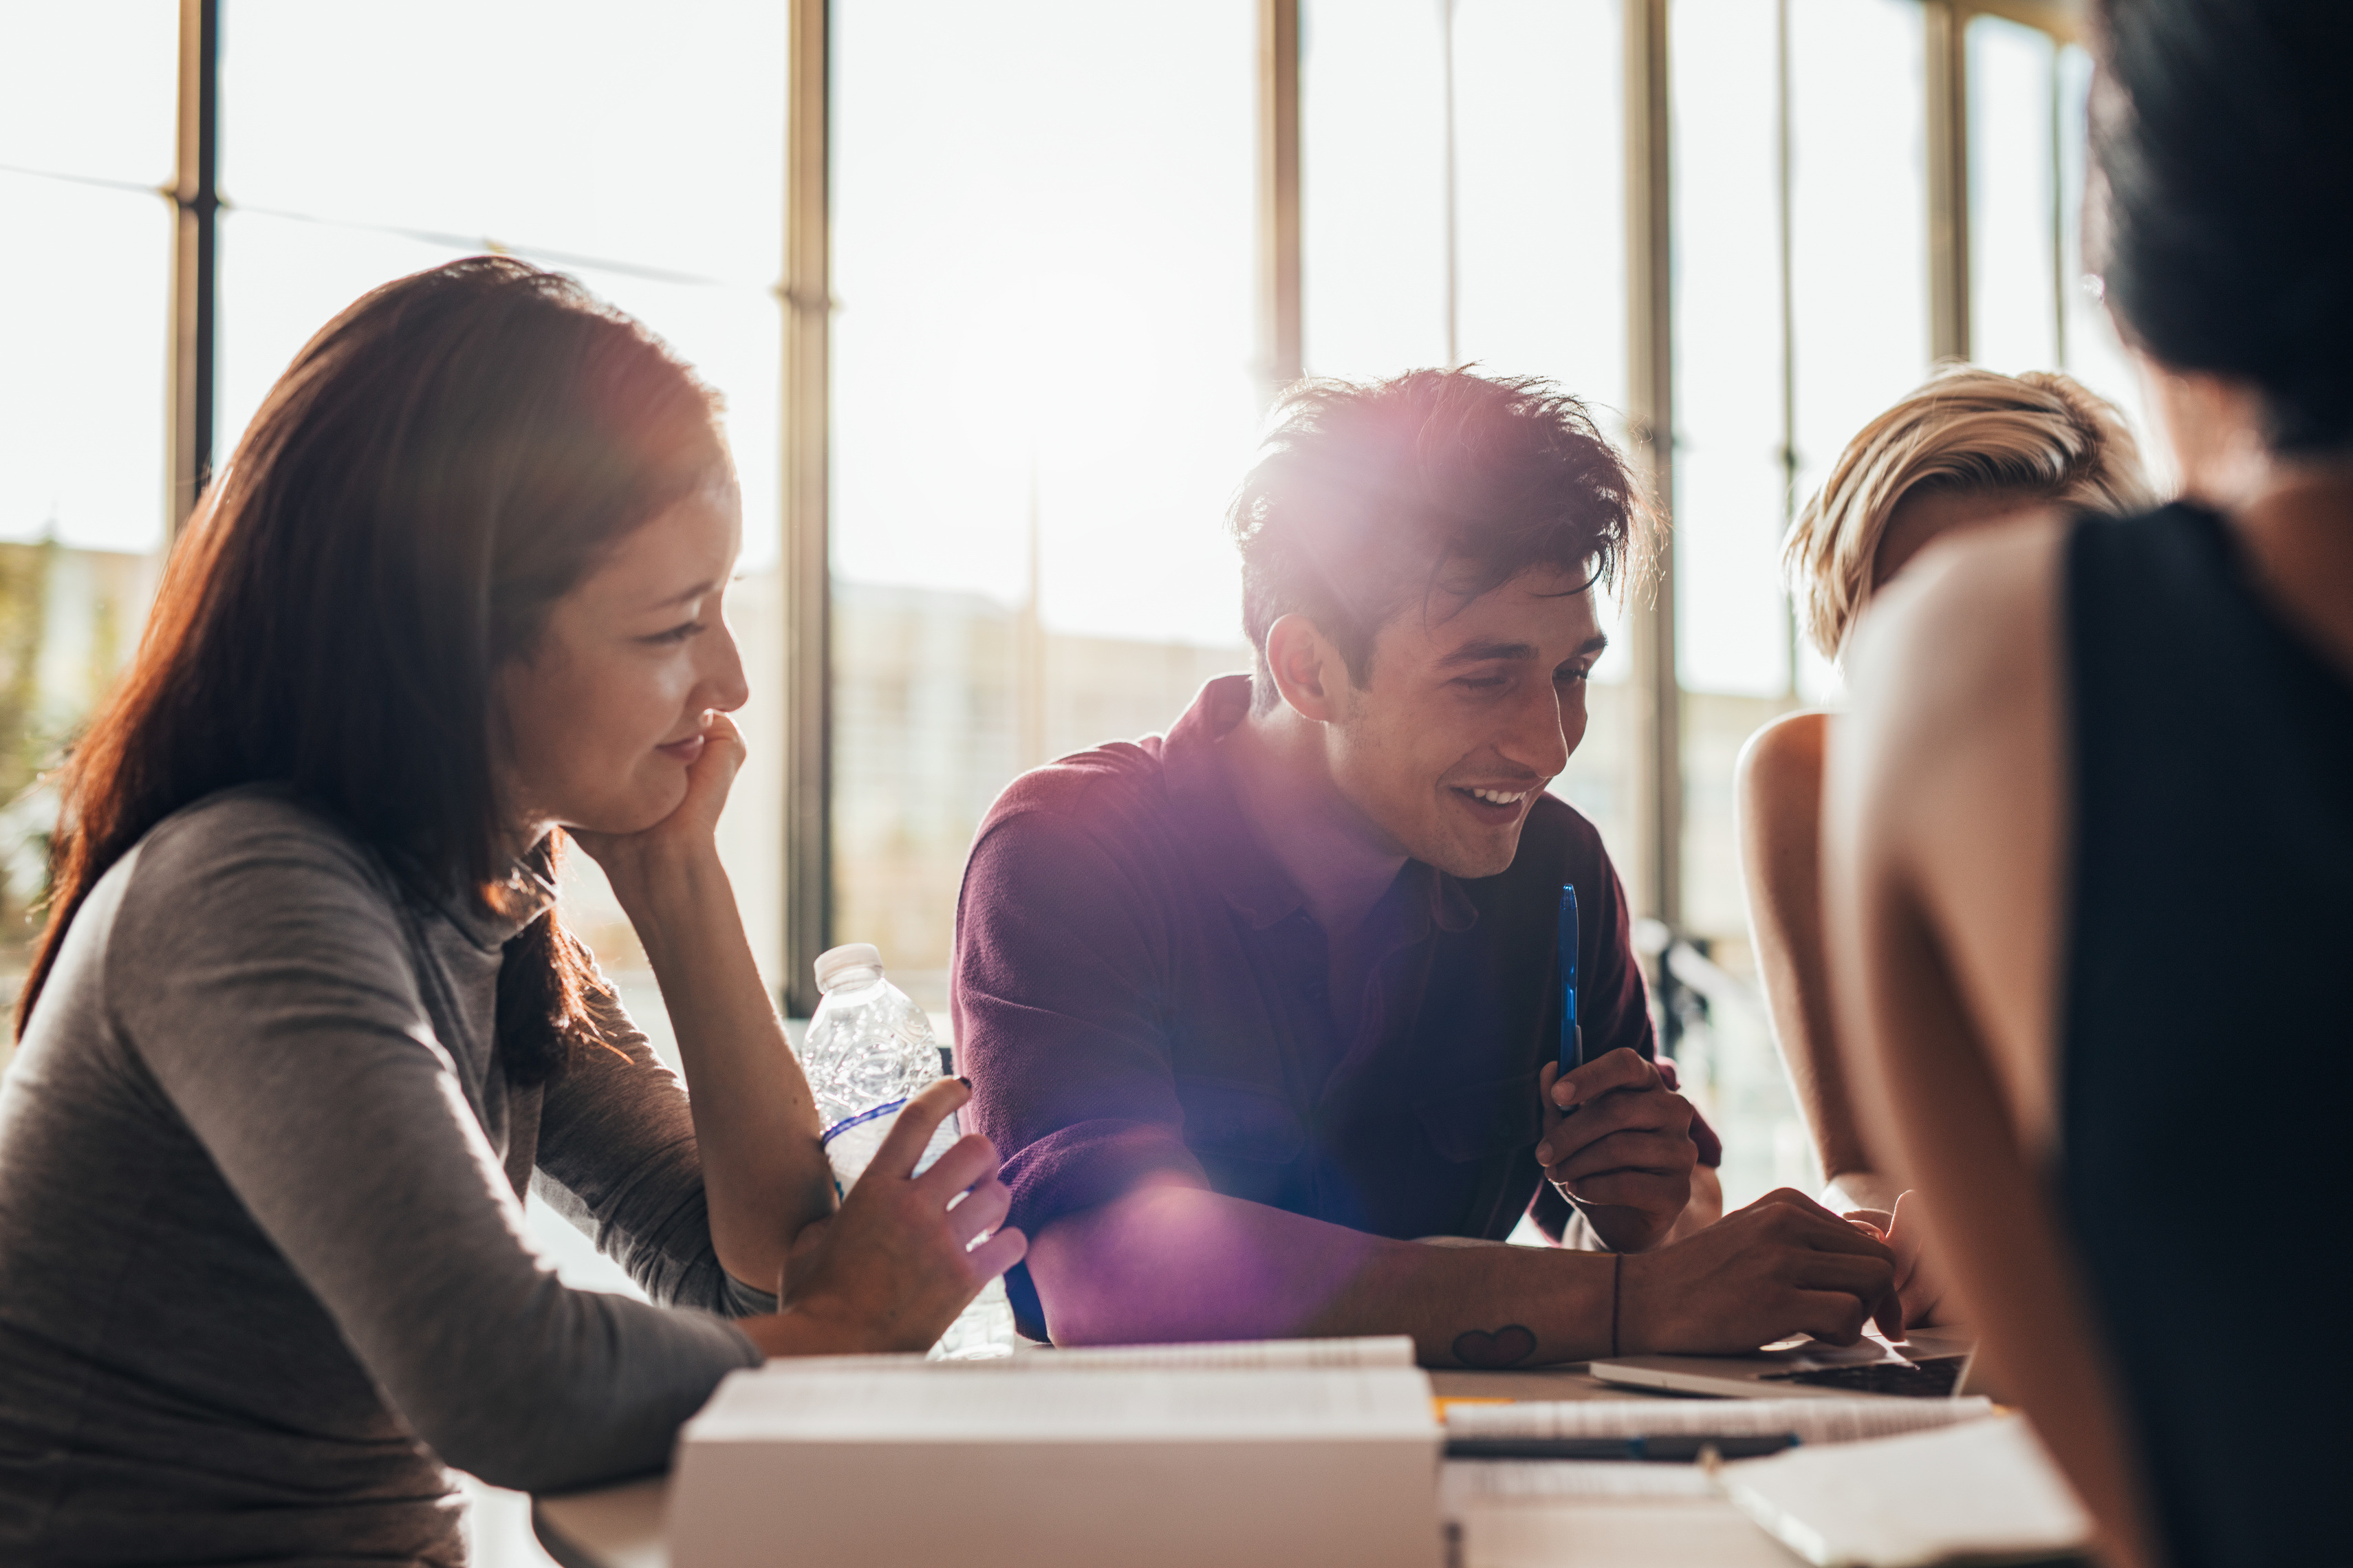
{"points": [[352, 152], [1073, 316], [85, 270], [1540, 249], [1045, 265]]}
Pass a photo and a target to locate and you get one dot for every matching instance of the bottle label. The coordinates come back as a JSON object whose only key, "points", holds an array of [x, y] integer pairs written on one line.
{"points": [[872, 1114], [851, 1143]]}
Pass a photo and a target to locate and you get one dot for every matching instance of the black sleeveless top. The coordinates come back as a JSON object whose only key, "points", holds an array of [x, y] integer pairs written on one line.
{"points": [[2209, 1029]]}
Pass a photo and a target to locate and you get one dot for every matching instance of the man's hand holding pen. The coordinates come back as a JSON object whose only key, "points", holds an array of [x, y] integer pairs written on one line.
{"points": [[1616, 1143]]}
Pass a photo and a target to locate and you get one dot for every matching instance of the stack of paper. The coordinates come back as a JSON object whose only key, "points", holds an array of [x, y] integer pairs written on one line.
{"points": [[1810, 1421], [1482, 1493], [1474, 1483], [1228, 1455], [1381, 1350], [1984, 1491]]}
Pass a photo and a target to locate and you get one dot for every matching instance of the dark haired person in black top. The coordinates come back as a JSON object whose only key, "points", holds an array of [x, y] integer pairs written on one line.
{"points": [[2090, 860]]}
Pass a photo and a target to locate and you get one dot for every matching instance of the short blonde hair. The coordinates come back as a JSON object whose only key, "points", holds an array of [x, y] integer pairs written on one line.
{"points": [[1964, 428]]}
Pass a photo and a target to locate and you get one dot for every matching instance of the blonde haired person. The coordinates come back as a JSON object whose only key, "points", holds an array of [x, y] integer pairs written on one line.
{"points": [[1966, 450]]}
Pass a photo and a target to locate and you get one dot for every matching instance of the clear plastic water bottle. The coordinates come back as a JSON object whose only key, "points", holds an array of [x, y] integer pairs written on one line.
{"points": [[868, 1049]]}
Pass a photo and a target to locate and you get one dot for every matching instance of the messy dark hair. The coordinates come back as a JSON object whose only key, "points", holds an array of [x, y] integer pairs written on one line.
{"points": [[443, 462], [2223, 132], [1374, 495]]}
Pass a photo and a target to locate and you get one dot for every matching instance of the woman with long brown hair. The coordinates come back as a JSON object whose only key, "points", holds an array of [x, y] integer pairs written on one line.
{"points": [[304, 1027]]}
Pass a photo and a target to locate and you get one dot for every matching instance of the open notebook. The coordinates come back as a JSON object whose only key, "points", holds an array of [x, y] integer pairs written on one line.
{"points": [[1810, 1420], [1979, 1492]]}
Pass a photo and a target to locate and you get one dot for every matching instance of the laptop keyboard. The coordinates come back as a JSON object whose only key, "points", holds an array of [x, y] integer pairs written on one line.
{"points": [[1934, 1378]]}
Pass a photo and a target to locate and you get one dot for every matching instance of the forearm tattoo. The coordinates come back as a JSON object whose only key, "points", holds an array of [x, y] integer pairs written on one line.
{"points": [[1507, 1346]]}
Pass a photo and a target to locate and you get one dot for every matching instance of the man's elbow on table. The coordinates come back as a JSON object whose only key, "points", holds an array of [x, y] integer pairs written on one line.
{"points": [[1171, 1262], [1119, 1273]]}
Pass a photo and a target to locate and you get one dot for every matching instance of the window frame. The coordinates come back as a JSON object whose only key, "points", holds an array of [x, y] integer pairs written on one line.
{"points": [[194, 194]]}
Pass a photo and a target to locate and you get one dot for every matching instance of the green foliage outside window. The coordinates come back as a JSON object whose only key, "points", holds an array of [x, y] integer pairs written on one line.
{"points": [[27, 745]]}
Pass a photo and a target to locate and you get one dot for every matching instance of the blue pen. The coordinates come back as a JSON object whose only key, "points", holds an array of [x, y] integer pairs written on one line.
{"points": [[1572, 1033]]}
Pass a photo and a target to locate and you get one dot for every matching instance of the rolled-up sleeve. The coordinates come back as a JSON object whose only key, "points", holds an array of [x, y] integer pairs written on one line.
{"points": [[1061, 1008]]}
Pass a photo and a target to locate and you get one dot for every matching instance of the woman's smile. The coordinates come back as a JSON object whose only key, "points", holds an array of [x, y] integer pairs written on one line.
{"points": [[614, 708]]}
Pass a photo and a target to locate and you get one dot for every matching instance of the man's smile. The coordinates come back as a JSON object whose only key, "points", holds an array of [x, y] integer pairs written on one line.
{"points": [[1495, 805]]}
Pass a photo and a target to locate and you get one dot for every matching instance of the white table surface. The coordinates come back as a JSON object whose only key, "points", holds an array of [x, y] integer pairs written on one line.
{"points": [[621, 1527]]}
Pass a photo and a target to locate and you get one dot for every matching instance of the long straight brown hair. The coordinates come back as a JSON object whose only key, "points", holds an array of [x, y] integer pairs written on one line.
{"points": [[439, 466]]}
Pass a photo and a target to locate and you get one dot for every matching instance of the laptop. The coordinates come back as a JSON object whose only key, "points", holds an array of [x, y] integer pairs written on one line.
{"points": [[1925, 1366]]}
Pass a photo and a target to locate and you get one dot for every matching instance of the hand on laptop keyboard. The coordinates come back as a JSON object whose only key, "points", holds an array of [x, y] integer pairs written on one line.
{"points": [[1935, 1378]]}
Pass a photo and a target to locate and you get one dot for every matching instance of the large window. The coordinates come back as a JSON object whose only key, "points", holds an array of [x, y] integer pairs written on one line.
{"points": [[86, 148], [1813, 266], [1045, 391], [1055, 305], [2032, 298], [1800, 300]]}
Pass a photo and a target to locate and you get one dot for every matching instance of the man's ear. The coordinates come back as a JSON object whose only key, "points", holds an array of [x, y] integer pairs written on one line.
{"points": [[1308, 670]]}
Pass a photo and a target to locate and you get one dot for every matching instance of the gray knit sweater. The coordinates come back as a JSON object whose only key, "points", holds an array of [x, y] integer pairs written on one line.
{"points": [[263, 1265]]}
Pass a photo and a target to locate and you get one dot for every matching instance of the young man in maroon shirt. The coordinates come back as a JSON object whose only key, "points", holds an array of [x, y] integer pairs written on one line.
{"points": [[1258, 1011]]}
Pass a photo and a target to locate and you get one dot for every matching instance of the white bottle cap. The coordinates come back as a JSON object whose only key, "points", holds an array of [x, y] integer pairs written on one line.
{"points": [[850, 955]]}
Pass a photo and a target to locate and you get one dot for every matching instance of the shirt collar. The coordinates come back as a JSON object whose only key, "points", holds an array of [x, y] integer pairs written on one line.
{"points": [[1199, 785], [527, 893], [1450, 902], [1253, 882]]}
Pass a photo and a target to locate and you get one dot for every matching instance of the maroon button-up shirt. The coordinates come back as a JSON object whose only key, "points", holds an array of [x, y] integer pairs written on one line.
{"points": [[1140, 989]]}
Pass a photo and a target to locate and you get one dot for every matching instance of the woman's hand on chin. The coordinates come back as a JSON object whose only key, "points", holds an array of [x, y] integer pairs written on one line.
{"points": [[689, 834]]}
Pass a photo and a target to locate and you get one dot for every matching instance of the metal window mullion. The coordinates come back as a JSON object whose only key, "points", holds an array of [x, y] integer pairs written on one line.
{"points": [[1281, 337], [806, 600], [2062, 20], [195, 197], [1454, 197], [1947, 29], [1658, 699], [2058, 215], [1784, 163]]}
